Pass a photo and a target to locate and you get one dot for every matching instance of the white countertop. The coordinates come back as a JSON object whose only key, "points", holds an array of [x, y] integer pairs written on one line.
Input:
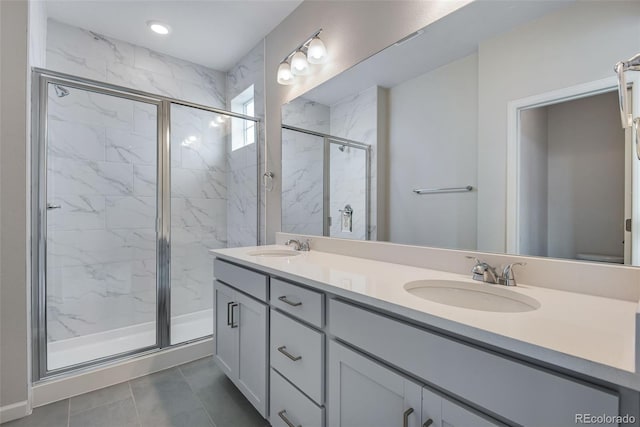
{"points": [[587, 334]]}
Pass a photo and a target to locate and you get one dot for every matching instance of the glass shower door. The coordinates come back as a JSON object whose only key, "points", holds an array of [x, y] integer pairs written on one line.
{"points": [[101, 168], [348, 190], [213, 205]]}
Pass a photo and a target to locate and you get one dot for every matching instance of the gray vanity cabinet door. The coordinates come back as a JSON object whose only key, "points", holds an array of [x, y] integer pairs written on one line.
{"points": [[225, 338], [438, 411], [252, 322], [365, 393]]}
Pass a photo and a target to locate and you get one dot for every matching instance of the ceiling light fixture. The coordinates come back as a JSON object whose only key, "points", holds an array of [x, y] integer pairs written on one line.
{"points": [[296, 63], [159, 27]]}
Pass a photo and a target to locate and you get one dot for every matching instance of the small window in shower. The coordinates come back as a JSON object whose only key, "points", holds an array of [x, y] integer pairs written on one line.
{"points": [[243, 131]]}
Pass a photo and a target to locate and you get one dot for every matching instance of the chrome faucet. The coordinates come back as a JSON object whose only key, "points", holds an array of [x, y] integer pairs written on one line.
{"points": [[508, 278], [299, 246], [483, 272]]}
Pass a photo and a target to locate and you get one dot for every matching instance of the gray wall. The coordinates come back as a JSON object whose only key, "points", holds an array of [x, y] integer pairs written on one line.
{"points": [[351, 34], [433, 123], [14, 192], [532, 215], [553, 52], [586, 177]]}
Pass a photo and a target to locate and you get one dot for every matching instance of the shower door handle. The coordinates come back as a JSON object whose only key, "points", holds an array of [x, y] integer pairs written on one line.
{"points": [[51, 206]]}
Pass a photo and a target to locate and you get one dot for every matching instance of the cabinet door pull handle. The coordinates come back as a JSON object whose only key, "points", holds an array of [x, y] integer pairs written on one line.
{"points": [[405, 417], [285, 419], [284, 351], [284, 299], [427, 423], [229, 313], [233, 322]]}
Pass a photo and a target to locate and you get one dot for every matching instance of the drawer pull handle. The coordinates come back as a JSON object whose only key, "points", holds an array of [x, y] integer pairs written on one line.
{"points": [[289, 355], [285, 419], [233, 322], [284, 299], [427, 423], [229, 313], [405, 417]]}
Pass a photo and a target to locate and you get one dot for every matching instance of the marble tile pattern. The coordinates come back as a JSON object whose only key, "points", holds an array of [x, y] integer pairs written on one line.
{"points": [[356, 118], [102, 169], [83, 53], [101, 244], [198, 204], [348, 186], [302, 167], [243, 172]]}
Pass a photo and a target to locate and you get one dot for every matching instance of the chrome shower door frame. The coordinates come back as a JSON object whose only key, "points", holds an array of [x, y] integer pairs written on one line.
{"points": [[40, 79], [326, 175]]}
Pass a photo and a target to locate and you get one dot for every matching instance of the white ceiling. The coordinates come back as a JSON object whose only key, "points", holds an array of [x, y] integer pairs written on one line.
{"points": [[452, 37], [214, 33]]}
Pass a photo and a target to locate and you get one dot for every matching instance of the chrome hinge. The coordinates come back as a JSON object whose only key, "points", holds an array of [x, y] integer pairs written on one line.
{"points": [[627, 224]]}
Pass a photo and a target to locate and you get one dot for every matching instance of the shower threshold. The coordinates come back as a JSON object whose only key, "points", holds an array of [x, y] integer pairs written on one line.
{"points": [[82, 349]]}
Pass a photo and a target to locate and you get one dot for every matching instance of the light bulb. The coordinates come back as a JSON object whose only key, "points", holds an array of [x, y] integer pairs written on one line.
{"points": [[159, 27], [285, 77], [317, 52], [299, 64]]}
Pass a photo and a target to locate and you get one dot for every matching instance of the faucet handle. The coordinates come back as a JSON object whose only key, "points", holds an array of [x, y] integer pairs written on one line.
{"points": [[508, 278], [483, 272]]}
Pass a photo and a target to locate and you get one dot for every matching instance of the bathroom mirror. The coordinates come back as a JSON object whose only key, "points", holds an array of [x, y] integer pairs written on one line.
{"points": [[496, 128]]}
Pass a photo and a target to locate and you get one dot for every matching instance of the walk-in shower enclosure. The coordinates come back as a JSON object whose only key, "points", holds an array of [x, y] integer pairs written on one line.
{"points": [[129, 192]]}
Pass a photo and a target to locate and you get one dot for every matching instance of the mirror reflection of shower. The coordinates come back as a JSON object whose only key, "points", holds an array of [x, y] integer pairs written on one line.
{"points": [[61, 91]]}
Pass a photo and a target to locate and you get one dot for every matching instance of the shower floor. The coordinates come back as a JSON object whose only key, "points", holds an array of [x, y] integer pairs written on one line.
{"points": [[77, 350]]}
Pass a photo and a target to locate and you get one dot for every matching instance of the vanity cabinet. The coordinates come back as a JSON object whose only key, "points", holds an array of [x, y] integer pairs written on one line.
{"points": [[438, 411], [298, 348], [365, 393], [240, 342]]}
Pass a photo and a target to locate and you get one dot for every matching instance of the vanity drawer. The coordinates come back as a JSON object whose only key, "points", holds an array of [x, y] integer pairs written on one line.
{"points": [[300, 302], [287, 403], [498, 384], [297, 352], [245, 280]]}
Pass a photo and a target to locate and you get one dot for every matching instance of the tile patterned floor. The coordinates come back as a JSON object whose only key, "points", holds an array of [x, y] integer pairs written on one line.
{"points": [[196, 394]]}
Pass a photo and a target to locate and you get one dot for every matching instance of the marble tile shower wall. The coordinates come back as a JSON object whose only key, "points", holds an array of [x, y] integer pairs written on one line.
{"points": [[348, 182], [102, 266], [242, 174], [354, 118], [101, 244], [302, 167], [83, 53], [198, 205]]}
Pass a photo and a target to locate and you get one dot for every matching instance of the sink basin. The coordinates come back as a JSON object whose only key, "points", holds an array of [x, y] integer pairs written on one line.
{"points": [[274, 253], [475, 296]]}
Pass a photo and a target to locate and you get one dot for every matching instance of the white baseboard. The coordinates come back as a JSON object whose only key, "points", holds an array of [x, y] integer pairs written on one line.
{"points": [[55, 389], [14, 411]]}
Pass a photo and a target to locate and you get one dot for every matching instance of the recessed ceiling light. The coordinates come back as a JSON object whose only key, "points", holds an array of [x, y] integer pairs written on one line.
{"points": [[159, 28]]}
